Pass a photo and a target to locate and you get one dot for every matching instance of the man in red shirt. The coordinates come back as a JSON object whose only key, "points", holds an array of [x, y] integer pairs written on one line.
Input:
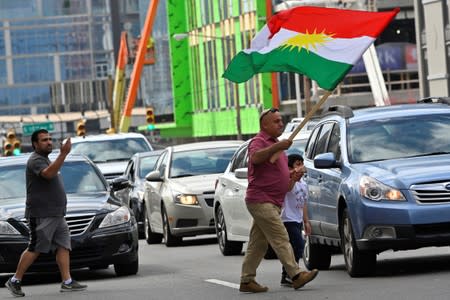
{"points": [[267, 185]]}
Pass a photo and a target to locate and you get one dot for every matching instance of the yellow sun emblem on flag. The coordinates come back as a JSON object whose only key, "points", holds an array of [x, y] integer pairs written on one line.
{"points": [[308, 40]]}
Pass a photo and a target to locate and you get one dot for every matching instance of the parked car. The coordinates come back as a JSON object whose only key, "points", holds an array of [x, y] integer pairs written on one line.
{"points": [[103, 231], [292, 125], [139, 165], [179, 192], [378, 179], [111, 152], [232, 219]]}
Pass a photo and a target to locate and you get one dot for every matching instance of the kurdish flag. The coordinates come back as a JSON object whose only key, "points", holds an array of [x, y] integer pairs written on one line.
{"points": [[322, 43]]}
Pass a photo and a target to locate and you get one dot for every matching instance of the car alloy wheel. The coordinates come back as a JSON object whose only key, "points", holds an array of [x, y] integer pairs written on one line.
{"points": [[150, 236], [226, 247], [358, 263], [169, 239]]}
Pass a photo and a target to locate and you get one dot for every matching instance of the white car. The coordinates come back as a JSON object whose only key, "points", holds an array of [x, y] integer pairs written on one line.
{"points": [[179, 193], [232, 219], [111, 152], [290, 127]]}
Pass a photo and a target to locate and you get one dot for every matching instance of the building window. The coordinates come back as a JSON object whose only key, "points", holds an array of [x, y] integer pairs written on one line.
{"points": [[76, 67], [225, 9], [35, 69], [207, 12], [211, 75], [197, 79], [2, 44], [229, 51], [101, 70], [3, 77], [247, 6]]}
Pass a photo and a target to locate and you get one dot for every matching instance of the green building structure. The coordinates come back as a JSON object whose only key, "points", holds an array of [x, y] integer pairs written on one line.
{"points": [[204, 36]]}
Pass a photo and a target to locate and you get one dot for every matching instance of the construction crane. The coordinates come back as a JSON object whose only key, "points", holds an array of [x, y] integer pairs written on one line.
{"points": [[121, 118]]}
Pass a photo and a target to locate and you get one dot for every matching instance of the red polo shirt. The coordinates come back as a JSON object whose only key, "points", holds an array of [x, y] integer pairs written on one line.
{"points": [[267, 182]]}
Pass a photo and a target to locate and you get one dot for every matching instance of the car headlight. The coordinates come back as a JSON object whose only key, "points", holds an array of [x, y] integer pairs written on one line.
{"points": [[117, 217], [186, 199], [374, 190], [6, 228]]}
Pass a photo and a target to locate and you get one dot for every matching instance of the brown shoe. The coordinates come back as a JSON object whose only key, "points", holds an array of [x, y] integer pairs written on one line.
{"points": [[303, 278], [252, 287]]}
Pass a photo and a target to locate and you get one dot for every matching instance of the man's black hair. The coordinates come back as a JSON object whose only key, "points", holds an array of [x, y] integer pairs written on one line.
{"points": [[35, 135], [292, 158]]}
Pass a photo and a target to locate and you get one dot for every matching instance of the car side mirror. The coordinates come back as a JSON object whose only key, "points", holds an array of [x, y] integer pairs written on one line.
{"points": [[119, 183], [154, 176], [326, 161], [241, 173]]}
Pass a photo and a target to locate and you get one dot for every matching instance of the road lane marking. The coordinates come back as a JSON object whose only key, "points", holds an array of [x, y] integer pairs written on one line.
{"points": [[224, 283]]}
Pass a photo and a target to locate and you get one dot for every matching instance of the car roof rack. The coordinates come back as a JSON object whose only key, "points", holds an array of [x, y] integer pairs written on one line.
{"points": [[444, 100], [342, 110]]}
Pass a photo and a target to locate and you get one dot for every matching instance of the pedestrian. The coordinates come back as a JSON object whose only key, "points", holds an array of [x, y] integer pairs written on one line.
{"points": [[267, 186], [294, 213], [45, 210]]}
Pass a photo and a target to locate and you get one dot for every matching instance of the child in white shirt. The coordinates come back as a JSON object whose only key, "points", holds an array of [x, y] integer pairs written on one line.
{"points": [[294, 213]]}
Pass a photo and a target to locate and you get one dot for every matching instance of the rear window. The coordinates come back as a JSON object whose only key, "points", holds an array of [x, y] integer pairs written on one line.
{"points": [[199, 162], [111, 150]]}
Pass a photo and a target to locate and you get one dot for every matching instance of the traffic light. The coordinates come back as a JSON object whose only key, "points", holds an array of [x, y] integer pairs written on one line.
{"points": [[11, 145], [81, 128], [150, 118], [17, 147]]}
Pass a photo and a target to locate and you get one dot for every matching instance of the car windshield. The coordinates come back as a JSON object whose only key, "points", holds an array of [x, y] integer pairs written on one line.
{"points": [[147, 165], [78, 177], [199, 162], [403, 137], [110, 150]]}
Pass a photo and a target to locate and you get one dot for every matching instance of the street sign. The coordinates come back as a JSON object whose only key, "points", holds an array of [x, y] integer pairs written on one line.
{"points": [[28, 129]]}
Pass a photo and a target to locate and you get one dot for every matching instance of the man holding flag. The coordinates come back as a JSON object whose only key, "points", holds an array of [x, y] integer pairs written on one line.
{"points": [[323, 44]]}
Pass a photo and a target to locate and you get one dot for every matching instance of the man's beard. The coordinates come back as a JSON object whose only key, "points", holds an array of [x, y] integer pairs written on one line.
{"points": [[46, 151]]}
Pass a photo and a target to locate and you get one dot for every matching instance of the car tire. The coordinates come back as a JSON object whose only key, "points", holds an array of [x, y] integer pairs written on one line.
{"points": [[126, 269], [358, 263], [141, 221], [316, 256], [169, 239], [150, 236], [226, 247]]}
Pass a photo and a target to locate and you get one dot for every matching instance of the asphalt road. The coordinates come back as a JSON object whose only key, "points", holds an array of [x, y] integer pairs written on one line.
{"points": [[197, 270]]}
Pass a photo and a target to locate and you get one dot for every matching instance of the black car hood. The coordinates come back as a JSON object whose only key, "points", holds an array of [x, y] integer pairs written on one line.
{"points": [[92, 203]]}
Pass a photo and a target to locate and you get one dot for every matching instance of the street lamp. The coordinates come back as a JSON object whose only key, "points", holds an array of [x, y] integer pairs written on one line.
{"points": [[185, 35]]}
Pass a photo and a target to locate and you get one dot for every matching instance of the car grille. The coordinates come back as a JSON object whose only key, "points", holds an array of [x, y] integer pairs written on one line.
{"points": [[432, 193], [78, 224]]}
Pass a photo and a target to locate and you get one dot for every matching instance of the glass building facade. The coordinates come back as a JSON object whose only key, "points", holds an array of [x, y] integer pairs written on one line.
{"points": [[55, 56]]}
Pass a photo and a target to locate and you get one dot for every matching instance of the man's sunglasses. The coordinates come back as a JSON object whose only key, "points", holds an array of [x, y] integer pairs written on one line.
{"points": [[265, 112]]}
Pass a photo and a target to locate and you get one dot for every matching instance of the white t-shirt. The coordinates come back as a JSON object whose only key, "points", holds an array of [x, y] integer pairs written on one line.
{"points": [[294, 201]]}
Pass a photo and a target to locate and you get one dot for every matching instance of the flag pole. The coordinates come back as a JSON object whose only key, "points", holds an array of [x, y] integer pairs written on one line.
{"points": [[313, 110]]}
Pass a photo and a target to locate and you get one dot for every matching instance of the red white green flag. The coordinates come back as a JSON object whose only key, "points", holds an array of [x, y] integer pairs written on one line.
{"points": [[321, 43]]}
